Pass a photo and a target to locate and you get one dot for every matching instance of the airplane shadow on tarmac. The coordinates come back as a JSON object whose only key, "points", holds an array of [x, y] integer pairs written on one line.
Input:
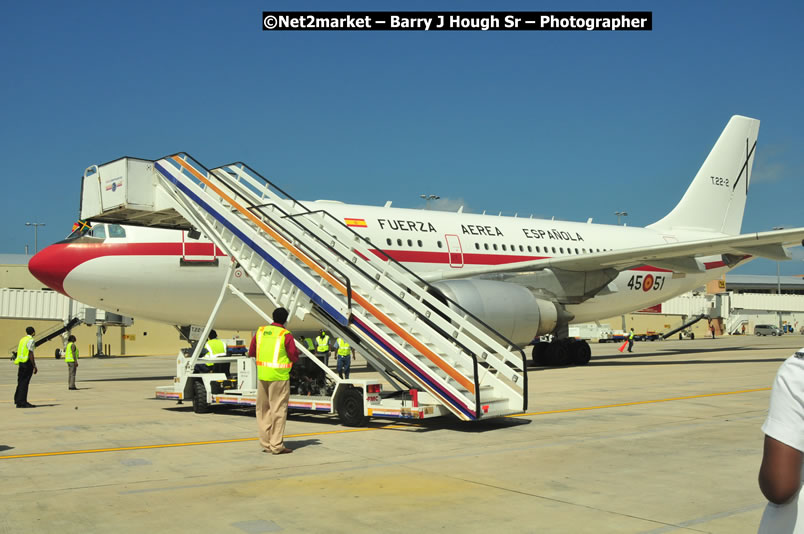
{"points": [[428, 425]]}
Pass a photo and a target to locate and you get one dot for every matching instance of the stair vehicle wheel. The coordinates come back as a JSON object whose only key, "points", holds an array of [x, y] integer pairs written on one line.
{"points": [[350, 408], [200, 404]]}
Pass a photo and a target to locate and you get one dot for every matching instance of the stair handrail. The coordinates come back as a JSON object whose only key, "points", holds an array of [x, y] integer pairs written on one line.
{"points": [[191, 165], [368, 243], [489, 330]]}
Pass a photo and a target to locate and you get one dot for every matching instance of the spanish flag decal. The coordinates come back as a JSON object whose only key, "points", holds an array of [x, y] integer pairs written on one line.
{"points": [[359, 223]]}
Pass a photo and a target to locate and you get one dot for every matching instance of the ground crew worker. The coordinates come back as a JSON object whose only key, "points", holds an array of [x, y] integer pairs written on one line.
{"points": [[27, 368], [630, 340], [71, 357], [309, 343], [215, 348], [345, 353], [276, 352], [322, 347]]}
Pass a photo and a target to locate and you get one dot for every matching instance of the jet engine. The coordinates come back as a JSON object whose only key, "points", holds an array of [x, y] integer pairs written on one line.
{"points": [[511, 309]]}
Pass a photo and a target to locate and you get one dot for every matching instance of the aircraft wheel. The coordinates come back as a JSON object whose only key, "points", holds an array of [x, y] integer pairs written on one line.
{"points": [[200, 404], [539, 353], [350, 408], [581, 353], [557, 354]]}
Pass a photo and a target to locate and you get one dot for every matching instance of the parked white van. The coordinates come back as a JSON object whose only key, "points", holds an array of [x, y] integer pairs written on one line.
{"points": [[767, 330]]}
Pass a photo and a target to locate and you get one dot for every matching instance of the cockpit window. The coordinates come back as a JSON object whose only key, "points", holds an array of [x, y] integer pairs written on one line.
{"points": [[115, 230], [98, 231]]}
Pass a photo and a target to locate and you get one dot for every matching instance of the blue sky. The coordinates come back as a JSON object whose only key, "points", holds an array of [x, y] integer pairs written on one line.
{"points": [[566, 124]]}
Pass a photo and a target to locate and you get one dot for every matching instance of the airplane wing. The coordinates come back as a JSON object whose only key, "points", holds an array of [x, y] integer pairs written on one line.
{"points": [[677, 257]]}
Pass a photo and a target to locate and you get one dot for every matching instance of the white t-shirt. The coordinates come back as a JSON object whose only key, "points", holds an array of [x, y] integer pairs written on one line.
{"points": [[785, 423]]}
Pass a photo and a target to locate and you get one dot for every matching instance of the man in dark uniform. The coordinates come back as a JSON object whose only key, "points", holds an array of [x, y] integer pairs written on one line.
{"points": [[26, 368]]}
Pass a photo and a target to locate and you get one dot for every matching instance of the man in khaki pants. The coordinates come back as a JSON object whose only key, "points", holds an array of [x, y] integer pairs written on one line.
{"points": [[275, 350]]}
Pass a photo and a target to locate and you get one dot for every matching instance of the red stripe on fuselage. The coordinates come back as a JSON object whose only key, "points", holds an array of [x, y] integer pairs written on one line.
{"points": [[52, 265]]}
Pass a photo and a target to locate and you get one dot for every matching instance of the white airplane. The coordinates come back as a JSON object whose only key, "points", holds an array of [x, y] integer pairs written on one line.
{"points": [[525, 277]]}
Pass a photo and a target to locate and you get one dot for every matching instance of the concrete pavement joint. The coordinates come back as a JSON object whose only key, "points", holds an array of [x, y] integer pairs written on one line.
{"points": [[705, 519], [561, 501]]}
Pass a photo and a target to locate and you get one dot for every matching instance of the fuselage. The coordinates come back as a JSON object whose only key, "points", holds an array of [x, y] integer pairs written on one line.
{"points": [[166, 276]]}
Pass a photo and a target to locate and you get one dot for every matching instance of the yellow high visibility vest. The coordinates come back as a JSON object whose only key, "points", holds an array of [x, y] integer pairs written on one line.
{"points": [[70, 352], [343, 347], [273, 364], [215, 348], [323, 344], [310, 345], [22, 350]]}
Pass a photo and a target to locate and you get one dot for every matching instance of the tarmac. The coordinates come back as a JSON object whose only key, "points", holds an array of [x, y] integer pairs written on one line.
{"points": [[666, 439]]}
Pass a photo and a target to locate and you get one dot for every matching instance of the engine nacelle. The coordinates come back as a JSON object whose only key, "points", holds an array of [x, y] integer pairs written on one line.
{"points": [[511, 309]]}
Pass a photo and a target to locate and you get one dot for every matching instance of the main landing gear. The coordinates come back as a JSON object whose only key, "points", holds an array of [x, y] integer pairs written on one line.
{"points": [[561, 352]]}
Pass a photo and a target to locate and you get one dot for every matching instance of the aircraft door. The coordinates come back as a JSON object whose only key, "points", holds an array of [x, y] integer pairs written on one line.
{"points": [[195, 251], [455, 251]]}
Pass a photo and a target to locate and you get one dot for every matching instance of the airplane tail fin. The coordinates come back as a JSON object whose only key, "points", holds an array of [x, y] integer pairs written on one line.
{"points": [[715, 200]]}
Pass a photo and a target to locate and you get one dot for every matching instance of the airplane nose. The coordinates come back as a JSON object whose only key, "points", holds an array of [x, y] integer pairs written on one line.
{"points": [[49, 267]]}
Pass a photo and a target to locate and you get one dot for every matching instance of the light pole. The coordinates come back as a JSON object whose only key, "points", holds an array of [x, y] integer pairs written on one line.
{"points": [[36, 226], [427, 199], [778, 282], [621, 214]]}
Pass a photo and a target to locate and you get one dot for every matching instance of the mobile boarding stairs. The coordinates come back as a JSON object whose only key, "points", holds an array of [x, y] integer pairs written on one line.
{"points": [[438, 357]]}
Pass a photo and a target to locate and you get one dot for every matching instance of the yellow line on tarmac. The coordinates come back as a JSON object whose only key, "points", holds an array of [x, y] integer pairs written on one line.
{"points": [[189, 444], [384, 427], [635, 403]]}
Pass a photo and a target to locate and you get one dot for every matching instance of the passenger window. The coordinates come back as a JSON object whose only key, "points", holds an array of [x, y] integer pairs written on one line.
{"points": [[388, 241], [576, 251], [439, 244], [503, 247], [399, 242], [477, 246], [529, 249], [495, 246], [410, 242], [521, 248], [99, 231], [419, 242], [115, 230], [554, 250], [561, 249], [486, 246]]}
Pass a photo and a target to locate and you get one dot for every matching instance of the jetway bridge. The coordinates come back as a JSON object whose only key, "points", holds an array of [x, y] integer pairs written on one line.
{"points": [[46, 305]]}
